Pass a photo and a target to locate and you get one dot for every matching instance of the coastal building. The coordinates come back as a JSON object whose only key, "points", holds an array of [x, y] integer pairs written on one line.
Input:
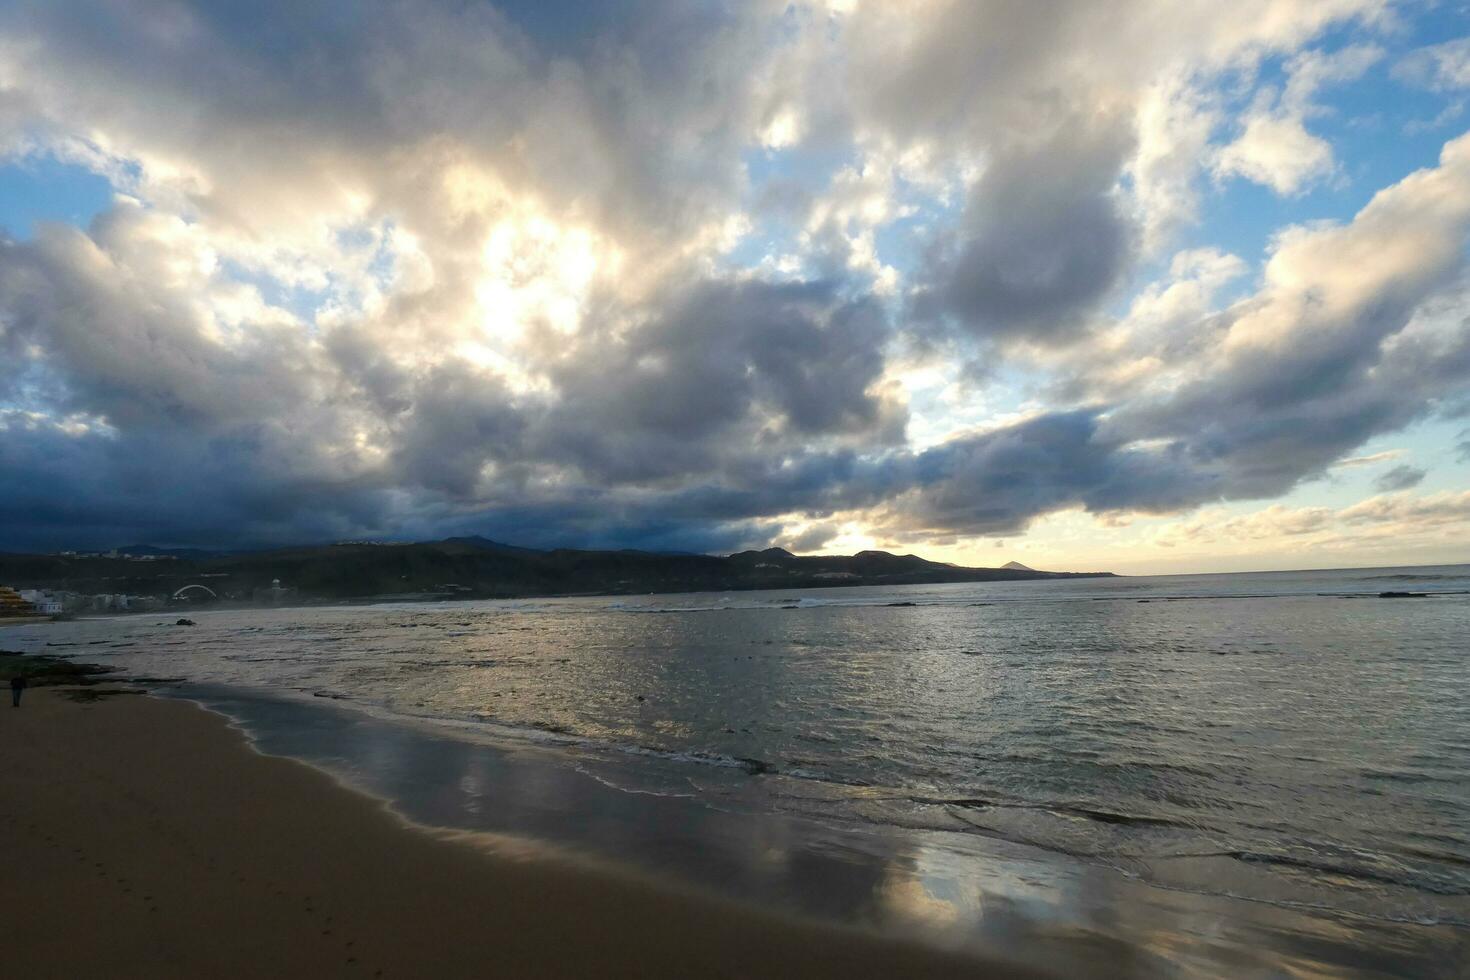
{"points": [[13, 604], [108, 602], [277, 593], [44, 602]]}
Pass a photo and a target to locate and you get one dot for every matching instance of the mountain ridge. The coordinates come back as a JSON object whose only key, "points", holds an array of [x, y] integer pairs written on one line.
{"points": [[477, 567]]}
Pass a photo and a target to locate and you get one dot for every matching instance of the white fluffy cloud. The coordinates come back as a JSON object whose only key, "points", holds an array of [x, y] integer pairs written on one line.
{"points": [[1274, 146], [1445, 67]]}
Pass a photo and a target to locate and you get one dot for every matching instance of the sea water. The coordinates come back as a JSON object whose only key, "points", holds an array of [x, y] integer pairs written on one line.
{"points": [[1269, 768]]}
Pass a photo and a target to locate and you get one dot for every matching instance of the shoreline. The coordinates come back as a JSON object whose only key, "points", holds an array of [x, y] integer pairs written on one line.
{"points": [[982, 894], [164, 844], [873, 873]]}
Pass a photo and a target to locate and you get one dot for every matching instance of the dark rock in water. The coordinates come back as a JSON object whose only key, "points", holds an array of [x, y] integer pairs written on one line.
{"points": [[1403, 595], [790, 607], [903, 603], [185, 622], [639, 697], [755, 767]]}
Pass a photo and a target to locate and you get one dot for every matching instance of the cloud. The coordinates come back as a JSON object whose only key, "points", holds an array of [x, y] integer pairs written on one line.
{"points": [[1401, 477], [1274, 147], [1326, 355], [1276, 521], [812, 538], [1371, 458], [998, 481], [1434, 510], [440, 268], [1045, 238], [1385, 521], [1443, 67]]}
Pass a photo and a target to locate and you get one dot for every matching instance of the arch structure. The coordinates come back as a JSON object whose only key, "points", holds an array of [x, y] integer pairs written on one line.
{"points": [[187, 591]]}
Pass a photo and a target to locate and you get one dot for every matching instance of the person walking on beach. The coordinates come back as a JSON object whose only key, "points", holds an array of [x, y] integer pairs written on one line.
{"points": [[17, 685]]}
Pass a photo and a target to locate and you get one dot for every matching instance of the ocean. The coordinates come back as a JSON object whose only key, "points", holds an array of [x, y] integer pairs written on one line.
{"points": [[1245, 774]]}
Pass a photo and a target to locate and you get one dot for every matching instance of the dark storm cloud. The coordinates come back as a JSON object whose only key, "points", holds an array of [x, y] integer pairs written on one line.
{"points": [[456, 421], [1262, 421], [683, 425], [997, 482], [811, 539], [1044, 240], [68, 489], [725, 369]]}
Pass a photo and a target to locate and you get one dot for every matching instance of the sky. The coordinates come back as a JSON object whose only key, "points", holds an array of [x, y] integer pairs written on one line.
{"points": [[1154, 286]]}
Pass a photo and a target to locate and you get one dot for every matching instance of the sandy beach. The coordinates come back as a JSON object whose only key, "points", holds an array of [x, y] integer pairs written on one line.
{"points": [[145, 838]]}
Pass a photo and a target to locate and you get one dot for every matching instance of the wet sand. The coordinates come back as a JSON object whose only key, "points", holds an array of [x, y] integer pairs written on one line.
{"points": [[144, 838]]}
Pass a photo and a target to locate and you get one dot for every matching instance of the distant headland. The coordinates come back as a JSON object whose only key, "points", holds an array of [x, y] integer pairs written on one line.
{"points": [[144, 577]]}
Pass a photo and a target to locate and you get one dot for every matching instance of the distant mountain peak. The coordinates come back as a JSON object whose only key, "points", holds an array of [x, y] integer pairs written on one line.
{"points": [[486, 544], [1018, 567], [148, 550]]}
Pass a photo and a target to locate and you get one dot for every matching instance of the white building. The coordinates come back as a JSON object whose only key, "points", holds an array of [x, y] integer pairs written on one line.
{"points": [[46, 604]]}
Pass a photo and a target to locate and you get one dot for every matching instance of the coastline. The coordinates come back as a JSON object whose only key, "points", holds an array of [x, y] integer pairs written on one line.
{"points": [[985, 895], [146, 838], [871, 859]]}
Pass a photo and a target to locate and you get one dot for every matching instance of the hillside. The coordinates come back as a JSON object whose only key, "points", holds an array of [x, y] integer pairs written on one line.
{"points": [[474, 567]]}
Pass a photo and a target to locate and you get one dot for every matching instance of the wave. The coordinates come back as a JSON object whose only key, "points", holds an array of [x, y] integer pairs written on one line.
{"points": [[1098, 816], [1416, 879], [751, 766], [672, 609], [1353, 865], [612, 784], [1399, 776]]}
